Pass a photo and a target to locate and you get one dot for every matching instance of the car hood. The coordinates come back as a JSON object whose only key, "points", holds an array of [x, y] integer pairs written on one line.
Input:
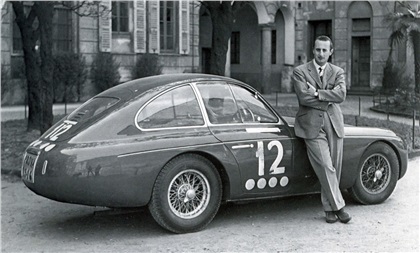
{"points": [[355, 130]]}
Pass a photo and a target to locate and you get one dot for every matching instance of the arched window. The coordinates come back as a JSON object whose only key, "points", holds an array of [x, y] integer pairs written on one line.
{"points": [[360, 23]]}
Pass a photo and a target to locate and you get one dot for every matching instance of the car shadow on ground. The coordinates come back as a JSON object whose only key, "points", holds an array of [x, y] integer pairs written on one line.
{"points": [[119, 224], [290, 208]]}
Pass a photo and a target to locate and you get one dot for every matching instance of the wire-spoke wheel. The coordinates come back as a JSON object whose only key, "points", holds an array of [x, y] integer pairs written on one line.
{"points": [[377, 175], [187, 194]]}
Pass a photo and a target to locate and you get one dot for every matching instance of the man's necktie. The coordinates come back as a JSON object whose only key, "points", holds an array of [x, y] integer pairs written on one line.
{"points": [[320, 76]]}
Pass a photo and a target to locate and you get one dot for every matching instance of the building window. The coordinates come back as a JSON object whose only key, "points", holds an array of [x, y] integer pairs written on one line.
{"points": [[62, 30], [235, 48], [168, 25], [273, 46], [361, 25], [318, 28], [17, 40], [119, 16]]}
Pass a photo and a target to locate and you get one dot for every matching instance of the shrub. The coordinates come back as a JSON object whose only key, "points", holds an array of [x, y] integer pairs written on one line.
{"points": [[69, 75], [146, 65], [406, 97], [394, 77], [104, 72]]}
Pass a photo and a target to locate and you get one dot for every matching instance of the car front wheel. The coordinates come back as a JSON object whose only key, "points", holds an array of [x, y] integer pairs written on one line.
{"points": [[186, 195], [377, 175]]}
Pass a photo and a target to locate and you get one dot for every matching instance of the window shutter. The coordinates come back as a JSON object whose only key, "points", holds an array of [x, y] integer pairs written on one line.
{"points": [[140, 26], [154, 42], [184, 31], [105, 26]]}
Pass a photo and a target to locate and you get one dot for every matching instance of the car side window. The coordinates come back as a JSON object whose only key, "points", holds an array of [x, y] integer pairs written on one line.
{"points": [[219, 102], [176, 108], [252, 109]]}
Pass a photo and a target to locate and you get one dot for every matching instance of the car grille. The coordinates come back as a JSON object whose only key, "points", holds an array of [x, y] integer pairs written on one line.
{"points": [[28, 167]]}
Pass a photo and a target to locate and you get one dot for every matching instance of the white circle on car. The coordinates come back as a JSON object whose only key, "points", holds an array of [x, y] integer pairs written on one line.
{"points": [[272, 182], [250, 184], [261, 183], [284, 181]]}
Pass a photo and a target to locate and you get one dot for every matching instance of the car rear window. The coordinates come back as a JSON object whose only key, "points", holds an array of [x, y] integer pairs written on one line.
{"points": [[92, 108]]}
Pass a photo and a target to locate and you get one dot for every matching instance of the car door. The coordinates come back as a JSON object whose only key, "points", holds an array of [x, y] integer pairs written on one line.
{"points": [[258, 139]]}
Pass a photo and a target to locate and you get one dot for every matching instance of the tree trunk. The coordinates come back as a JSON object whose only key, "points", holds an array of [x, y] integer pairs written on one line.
{"points": [[32, 63], [38, 61], [222, 19], [45, 12]]}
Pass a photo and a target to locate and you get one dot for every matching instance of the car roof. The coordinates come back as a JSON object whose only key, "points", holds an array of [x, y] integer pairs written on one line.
{"points": [[141, 85]]}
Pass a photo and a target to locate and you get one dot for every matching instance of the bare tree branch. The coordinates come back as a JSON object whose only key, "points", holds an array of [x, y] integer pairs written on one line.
{"points": [[87, 8], [237, 5]]}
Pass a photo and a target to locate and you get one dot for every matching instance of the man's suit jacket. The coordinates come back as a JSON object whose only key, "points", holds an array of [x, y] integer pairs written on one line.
{"points": [[332, 91]]}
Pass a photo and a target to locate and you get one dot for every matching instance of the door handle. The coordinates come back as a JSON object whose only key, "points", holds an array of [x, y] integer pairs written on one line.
{"points": [[243, 146]]}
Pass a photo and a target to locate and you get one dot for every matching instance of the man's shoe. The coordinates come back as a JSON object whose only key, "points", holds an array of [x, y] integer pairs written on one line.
{"points": [[342, 215], [330, 217]]}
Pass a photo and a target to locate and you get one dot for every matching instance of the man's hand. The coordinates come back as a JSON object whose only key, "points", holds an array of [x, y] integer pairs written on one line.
{"points": [[312, 90]]}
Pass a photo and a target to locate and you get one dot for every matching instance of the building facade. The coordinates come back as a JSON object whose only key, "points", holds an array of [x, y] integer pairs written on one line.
{"points": [[269, 38], [131, 29]]}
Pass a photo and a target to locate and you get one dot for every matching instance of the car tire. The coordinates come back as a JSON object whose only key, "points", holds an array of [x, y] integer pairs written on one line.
{"points": [[377, 175], [187, 194]]}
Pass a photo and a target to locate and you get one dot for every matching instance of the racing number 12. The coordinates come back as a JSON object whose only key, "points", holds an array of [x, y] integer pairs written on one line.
{"points": [[274, 169]]}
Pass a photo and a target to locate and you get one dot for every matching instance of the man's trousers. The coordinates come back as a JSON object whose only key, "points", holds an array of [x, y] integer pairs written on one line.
{"points": [[325, 153]]}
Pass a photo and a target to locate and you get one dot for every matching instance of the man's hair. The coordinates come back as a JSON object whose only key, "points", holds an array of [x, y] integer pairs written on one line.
{"points": [[324, 38]]}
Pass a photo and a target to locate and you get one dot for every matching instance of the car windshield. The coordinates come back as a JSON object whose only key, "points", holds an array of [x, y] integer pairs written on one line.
{"points": [[92, 108]]}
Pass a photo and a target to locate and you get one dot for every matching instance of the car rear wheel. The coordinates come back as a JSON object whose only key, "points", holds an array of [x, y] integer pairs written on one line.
{"points": [[377, 175], [186, 195]]}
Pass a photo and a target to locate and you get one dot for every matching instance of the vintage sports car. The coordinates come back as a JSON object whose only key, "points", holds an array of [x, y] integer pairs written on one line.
{"points": [[184, 143]]}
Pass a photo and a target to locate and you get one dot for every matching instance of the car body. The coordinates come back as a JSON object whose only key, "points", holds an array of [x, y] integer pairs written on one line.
{"points": [[184, 143]]}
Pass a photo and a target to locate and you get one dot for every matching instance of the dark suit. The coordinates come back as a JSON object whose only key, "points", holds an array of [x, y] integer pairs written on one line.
{"points": [[319, 122]]}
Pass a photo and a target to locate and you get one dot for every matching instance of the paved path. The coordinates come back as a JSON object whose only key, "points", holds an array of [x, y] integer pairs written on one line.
{"points": [[349, 107]]}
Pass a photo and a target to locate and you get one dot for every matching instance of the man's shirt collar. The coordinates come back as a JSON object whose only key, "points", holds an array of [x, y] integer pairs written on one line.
{"points": [[318, 66]]}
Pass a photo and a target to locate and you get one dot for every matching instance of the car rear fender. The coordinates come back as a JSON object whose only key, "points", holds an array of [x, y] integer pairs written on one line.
{"points": [[227, 168]]}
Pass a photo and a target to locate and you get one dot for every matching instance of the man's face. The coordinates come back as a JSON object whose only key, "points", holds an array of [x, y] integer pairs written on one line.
{"points": [[216, 105], [322, 51]]}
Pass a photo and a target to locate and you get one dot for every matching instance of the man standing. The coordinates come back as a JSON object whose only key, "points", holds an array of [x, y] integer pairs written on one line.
{"points": [[320, 87]]}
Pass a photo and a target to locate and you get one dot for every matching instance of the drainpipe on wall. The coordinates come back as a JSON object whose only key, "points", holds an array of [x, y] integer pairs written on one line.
{"points": [[266, 60], [193, 37], [227, 66]]}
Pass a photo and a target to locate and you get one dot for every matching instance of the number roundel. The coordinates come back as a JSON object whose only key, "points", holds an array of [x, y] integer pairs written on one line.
{"points": [[275, 169]]}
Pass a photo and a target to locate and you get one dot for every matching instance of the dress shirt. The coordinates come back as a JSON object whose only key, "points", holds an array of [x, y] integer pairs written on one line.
{"points": [[317, 68]]}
